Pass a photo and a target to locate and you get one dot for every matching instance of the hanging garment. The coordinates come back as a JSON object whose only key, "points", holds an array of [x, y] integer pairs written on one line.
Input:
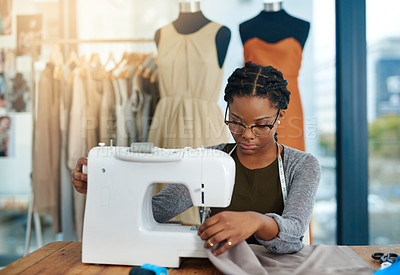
{"points": [[120, 86], [46, 149], [190, 82], [93, 105], [150, 96], [77, 136], [66, 188], [77, 139], [108, 120], [286, 56], [154, 91], [145, 115], [133, 106], [132, 109]]}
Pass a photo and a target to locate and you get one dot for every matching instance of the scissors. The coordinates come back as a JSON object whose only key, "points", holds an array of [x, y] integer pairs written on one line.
{"points": [[386, 259]]}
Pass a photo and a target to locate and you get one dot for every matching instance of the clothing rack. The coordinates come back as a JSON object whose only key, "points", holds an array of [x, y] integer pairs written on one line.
{"points": [[87, 41], [72, 42]]}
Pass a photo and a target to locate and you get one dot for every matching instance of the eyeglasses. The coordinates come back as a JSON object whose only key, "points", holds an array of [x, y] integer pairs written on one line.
{"points": [[259, 130]]}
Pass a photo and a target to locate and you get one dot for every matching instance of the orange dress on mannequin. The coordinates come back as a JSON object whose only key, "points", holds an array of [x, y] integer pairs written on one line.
{"points": [[284, 55], [277, 39]]}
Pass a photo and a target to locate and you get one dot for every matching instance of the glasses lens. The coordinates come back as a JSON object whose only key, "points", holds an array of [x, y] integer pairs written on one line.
{"points": [[261, 130], [236, 128]]}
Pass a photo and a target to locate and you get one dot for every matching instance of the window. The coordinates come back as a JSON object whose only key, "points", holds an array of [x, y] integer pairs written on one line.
{"points": [[383, 87]]}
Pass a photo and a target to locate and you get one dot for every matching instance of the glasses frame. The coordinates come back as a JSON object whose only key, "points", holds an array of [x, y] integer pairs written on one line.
{"points": [[251, 127]]}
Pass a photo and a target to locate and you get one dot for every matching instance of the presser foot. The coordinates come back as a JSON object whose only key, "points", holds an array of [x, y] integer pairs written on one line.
{"points": [[204, 213]]}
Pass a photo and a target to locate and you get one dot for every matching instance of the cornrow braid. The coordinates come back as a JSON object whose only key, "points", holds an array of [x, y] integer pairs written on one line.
{"points": [[261, 81]]}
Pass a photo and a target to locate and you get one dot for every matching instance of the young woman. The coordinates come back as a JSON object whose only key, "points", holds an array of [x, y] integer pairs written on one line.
{"points": [[275, 185]]}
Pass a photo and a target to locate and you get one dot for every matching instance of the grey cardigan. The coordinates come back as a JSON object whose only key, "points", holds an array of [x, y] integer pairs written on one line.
{"points": [[302, 174]]}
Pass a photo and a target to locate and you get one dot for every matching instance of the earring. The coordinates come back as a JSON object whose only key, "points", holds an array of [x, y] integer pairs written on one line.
{"points": [[279, 122]]}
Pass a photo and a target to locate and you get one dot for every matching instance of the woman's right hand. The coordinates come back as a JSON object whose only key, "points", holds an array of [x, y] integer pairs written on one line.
{"points": [[79, 179]]}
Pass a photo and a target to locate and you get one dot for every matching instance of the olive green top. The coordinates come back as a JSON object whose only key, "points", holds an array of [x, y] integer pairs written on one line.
{"points": [[257, 190]]}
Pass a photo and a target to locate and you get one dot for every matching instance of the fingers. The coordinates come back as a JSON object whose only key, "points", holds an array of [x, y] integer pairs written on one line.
{"points": [[79, 183], [208, 223], [217, 237], [82, 190], [221, 242], [80, 186], [80, 163], [79, 176], [211, 232], [79, 179], [223, 247], [224, 230]]}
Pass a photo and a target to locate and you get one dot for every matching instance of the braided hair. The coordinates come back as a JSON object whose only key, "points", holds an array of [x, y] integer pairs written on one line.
{"points": [[256, 80]]}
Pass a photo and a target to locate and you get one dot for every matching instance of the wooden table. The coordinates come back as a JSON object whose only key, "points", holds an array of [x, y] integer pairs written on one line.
{"points": [[365, 252], [65, 258]]}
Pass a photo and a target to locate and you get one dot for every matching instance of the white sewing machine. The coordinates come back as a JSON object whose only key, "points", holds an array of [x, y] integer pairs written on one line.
{"points": [[119, 227]]}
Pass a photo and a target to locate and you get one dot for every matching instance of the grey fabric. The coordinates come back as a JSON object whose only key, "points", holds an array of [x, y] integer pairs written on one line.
{"points": [[147, 98], [312, 259], [132, 108], [66, 191], [240, 259], [302, 174]]}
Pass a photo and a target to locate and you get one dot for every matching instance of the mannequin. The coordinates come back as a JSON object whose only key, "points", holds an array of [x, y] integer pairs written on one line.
{"points": [[274, 24], [191, 54], [273, 6], [191, 19], [191, 50], [275, 38]]}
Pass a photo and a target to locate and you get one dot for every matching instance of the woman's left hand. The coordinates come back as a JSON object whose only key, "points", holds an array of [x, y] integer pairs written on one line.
{"points": [[231, 227]]}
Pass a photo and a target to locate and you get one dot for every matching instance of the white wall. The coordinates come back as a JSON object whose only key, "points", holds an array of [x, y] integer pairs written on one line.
{"points": [[15, 170]]}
